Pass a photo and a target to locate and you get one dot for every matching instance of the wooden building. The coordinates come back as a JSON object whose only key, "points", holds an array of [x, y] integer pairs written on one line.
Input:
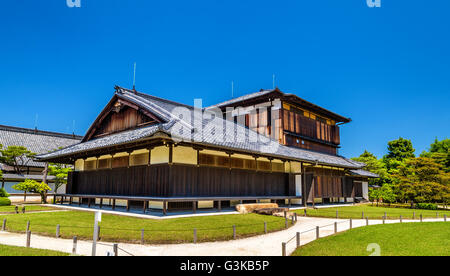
{"points": [[266, 146], [36, 141]]}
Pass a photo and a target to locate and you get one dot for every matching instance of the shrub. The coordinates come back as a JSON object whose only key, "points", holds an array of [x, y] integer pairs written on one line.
{"points": [[3, 193], [427, 206], [4, 201]]}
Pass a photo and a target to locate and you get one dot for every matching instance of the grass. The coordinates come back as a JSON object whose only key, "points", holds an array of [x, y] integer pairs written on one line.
{"points": [[407, 239], [6, 250], [33, 208], [128, 229], [372, 212]]}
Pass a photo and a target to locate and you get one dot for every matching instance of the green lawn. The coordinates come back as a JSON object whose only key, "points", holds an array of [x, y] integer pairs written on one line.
{"points": [[6, 250], [127, 229], [11, 209], [407, 239], [373, 212]]}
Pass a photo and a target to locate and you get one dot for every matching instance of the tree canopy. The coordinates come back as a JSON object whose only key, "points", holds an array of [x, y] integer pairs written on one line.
{"points": [[16, 156], [32, 186], [400, 150]]}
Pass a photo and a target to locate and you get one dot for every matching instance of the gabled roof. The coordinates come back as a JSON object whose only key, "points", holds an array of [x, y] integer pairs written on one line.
{"points": [[285, 96], [185, 130], [37, 141]]}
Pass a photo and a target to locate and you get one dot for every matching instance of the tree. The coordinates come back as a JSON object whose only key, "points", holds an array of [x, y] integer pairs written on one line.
{"points": [[398, 150], [31, 186], [374, 165], [388, 194], [60, 172], [440, 152], [16, 156], [423, 180]]}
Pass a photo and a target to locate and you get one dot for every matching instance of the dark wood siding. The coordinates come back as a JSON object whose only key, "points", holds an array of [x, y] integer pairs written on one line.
{"points": [[181, 181]]}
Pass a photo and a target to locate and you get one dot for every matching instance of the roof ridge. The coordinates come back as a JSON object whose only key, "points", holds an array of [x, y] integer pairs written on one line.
{"points": [[40, 132], [154, 97]]}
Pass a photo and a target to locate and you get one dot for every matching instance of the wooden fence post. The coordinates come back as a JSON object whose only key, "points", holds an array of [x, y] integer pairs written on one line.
{"points": [[23, 210], [335, 227], [195, 235], [295, 215], [351, 224], [317, 232], [367, 221], [298, 239], [234, 232], [421, 218], [265, 227], [74, 247], [283, 249], [401, 219], [286, 223], [4, 225], [445, 217], [305, 212], [28, 226], [116, 249], [142, 237], [293, 220], [58, 228], [28, 239]]}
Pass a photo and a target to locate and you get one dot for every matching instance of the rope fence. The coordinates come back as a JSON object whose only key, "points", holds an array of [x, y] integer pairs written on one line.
{"points": [[335, 224], [149, 235]]}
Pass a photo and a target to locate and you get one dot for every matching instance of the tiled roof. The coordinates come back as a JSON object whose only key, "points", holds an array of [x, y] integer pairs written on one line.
{"points": [[241, 138], [243, 98], [36, 141], [364, 173]]}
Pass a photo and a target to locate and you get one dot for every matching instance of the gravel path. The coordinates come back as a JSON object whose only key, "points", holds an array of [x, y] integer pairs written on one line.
{"points": [[263, 245]]}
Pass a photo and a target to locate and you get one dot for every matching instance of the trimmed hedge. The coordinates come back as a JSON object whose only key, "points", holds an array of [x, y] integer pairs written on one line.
{"points": [[4, 201], [3, 193], [426, 206]]}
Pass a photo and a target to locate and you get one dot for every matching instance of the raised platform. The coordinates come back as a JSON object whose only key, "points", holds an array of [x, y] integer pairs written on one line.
{"points": [[164, 200]]}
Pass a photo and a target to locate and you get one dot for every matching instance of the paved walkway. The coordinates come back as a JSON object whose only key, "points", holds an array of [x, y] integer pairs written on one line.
{"points": [[263, 245]]}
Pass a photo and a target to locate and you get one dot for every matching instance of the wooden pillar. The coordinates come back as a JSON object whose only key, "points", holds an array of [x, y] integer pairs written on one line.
{"points": [[219, 205], [144, 207], [149, 156], [101, 203], [80, 200], [114, 204], [170, 154], [129, 158], [128, 205], [164, 208], [194, 207]]}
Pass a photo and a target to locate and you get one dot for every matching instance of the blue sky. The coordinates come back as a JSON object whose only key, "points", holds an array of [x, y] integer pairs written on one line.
{"points": [[387, 68]]}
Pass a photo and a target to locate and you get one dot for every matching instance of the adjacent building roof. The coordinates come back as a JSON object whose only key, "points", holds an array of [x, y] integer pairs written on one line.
{"points": [[37, 141], [186, 129], [364, 173], [287, 96]]}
